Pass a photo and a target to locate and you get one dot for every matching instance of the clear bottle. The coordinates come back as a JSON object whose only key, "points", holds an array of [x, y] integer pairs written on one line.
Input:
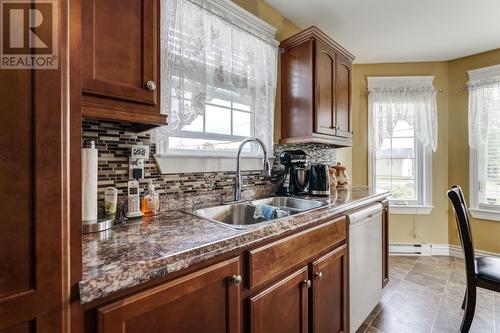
{"points": [[151, 201]]}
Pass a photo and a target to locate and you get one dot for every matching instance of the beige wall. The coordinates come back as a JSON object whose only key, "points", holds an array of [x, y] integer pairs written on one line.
{"points": [[431, 228], [450, 162], [486, 234], [285, 29]]}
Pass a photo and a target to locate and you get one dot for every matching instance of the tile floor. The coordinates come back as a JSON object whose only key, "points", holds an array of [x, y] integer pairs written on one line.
{"points": [[425, 294]]}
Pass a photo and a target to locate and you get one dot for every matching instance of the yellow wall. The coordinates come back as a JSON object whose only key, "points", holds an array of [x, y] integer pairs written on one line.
{"points": [[450, 162], [486, 234], [285, 29], [431, 228]]}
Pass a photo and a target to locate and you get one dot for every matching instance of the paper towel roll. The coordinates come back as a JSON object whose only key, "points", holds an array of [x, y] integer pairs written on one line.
{"points": [[89, 184]]}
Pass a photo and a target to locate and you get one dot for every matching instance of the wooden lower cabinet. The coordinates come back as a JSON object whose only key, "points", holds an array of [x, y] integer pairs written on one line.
{"points": [[306, 291], [207, 300], [330, 290], [283, 306]]}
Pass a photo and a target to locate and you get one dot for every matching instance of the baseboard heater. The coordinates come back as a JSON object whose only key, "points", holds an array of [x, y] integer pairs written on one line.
{"points": [[410, 249]]}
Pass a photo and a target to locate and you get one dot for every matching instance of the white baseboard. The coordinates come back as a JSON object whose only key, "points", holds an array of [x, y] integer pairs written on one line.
{"points": [[440, 250], [456, 251], [410, 249], [424, 249]]}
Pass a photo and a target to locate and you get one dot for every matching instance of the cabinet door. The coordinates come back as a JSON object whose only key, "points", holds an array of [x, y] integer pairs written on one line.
{"points": [[343, 77], [330, 304], [204, 301], [385, 243], [120, 51], [325, 90], [282, 307]]}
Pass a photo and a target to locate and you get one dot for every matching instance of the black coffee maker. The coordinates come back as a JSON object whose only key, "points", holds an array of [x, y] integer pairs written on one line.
{"points": [[295, 177]]}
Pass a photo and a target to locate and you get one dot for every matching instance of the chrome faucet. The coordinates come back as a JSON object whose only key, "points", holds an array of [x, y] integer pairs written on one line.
{"points": [[266, 169]]}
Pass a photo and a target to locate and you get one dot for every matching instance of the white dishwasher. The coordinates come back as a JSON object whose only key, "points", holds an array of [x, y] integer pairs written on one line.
{"points": [[365, 263]]}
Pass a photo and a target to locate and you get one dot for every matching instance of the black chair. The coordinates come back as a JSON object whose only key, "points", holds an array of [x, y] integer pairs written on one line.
{"points": [[483, 272]]}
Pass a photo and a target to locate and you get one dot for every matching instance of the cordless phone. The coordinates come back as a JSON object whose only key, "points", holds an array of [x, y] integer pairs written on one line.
{"points": [[134, 202]]}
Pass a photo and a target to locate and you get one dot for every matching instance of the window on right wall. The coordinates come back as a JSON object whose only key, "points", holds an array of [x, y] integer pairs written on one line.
{"points": [[484, 142], [402, 136]]}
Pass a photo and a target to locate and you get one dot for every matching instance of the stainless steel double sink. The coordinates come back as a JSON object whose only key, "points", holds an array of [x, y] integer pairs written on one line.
{"points": [[240, 215]]}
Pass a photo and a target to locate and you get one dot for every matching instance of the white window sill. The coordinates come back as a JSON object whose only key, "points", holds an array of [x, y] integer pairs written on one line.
{"points": [[184, 163], [484, 214], [410, 209]]}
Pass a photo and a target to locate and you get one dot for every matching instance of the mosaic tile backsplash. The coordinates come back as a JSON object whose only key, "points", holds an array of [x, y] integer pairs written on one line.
{"points": [[113, 140]]}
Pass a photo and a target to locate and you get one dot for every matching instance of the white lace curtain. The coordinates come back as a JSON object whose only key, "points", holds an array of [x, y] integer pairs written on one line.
{"points": [[416, 106], [483, 97], [205, 49]]}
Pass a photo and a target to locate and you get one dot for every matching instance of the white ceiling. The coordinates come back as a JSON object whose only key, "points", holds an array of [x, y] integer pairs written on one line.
{"points": [[401, 30]]}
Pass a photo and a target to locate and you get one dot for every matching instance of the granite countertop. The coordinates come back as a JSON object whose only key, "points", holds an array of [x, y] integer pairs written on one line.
{"points": [[133, 253]]}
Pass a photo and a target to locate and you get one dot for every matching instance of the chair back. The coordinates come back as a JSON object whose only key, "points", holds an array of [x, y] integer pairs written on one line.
{"points": [[457, 199]]}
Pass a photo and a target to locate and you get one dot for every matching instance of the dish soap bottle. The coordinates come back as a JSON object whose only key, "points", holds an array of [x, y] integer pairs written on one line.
{"points": [[151, 201]]}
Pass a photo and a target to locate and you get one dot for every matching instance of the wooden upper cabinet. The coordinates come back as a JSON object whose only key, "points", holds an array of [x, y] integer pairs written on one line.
{"points": [[316, 89], [120, 61], [325, 89], [283, 306], [343, 87], [207, 301], [330, 290]]}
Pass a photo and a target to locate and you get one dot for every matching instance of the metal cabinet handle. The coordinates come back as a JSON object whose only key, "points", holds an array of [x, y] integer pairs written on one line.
{"points": [[236, 280], [318, 275], [306, 283], [151, 85]]}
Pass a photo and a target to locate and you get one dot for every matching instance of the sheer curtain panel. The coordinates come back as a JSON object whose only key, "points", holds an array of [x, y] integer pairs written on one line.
{"points": [[484, 88], [211, 55], [403, 98]]}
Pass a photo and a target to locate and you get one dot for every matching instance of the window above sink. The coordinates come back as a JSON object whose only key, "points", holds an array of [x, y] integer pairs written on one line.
{"points": [[219, 72]]}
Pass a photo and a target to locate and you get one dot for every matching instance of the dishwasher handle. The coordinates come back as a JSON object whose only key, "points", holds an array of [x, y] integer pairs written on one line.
{"points": [[366, 213]]}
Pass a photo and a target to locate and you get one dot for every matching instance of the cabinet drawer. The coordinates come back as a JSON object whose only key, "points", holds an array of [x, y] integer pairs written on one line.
{"points": [[267, 262]]}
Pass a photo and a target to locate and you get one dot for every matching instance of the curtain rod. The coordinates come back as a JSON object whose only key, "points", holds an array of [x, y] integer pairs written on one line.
{"points": [[439, 91]]}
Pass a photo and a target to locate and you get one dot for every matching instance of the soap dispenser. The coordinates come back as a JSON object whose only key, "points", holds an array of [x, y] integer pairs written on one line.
{"points": [[151, 201]]}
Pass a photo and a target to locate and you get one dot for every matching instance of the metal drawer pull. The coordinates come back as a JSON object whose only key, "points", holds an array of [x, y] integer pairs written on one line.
{"points": [[307, 283], [151, 85], [236, 280], [318, 275]]}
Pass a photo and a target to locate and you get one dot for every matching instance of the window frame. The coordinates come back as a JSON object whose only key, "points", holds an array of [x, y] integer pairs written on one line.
{"points": [[199, 160], [423, 178], [254, 151], [477, 210], [423, 157]]}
